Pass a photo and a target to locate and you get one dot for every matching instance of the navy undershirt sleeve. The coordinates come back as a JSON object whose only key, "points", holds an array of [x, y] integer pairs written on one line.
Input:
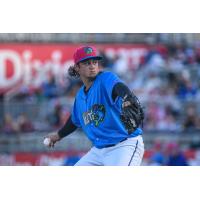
{"points": [[121, 90], [68, 128]]}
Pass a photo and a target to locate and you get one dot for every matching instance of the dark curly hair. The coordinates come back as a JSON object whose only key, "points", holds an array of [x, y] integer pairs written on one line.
{"points": [[72, 72]]}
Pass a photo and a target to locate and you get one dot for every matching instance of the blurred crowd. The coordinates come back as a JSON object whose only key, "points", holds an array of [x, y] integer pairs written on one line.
{"points": [[164, 153], [166, 80]]}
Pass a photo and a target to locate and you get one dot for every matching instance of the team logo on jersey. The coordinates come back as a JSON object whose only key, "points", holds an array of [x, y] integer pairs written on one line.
{"points": [[88, 50], [95, 115]]}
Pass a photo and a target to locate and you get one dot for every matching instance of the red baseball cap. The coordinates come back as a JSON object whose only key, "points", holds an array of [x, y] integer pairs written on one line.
{"points": [[85, 53]]}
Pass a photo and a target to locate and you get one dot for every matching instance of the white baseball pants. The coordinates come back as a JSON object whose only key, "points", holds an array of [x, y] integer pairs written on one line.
{"points": [[127, 153]]}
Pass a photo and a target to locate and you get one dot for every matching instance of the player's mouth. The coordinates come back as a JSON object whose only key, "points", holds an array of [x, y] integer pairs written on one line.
{"points": [[93, 72]]}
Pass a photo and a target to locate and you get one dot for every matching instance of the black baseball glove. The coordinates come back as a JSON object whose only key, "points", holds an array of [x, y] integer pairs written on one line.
{"points": [[132, 113]]}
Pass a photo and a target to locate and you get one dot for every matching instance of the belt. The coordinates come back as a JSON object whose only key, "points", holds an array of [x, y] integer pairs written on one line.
{"points": [[112, 145]]}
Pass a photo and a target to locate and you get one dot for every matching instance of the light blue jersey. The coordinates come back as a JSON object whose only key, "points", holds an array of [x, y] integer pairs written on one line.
{"points": [[98, 115]]}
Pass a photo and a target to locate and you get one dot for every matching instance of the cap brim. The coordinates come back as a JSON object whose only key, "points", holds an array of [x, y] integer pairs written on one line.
{"points": [[90, 57]]}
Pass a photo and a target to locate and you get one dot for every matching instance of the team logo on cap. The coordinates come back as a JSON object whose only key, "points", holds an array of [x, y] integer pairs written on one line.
{"points": [[88, 50]]}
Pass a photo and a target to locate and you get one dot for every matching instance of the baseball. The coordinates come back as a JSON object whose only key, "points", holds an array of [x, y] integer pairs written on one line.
{"points": [[47, 141]]}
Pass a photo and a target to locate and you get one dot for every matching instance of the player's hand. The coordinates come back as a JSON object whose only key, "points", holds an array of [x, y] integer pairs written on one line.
{"points": [[53, 138]]}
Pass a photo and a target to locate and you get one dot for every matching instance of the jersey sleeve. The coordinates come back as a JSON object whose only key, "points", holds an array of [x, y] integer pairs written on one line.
{"points": [[109, 80], [75, 116]]}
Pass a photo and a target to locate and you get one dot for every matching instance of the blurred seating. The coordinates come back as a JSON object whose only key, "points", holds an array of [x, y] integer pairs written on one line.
{"points": [[166, 80]]}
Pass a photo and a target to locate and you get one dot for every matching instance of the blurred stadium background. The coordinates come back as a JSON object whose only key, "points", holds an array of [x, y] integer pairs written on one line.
{"points": [[36, 95]]}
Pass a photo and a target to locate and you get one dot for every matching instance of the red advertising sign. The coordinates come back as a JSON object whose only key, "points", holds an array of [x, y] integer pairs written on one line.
{"points": [[58, 158], [30, 64]]}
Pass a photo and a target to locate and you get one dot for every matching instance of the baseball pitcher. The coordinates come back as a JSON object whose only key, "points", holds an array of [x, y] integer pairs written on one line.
{"points": [[108, 113]]}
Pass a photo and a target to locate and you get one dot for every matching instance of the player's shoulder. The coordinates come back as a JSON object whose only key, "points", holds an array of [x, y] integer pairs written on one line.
{"points": [[79, 92], [106, 74]]}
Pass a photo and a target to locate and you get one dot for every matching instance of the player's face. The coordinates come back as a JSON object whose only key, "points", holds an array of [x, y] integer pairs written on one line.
{"points": [[88, 69]]}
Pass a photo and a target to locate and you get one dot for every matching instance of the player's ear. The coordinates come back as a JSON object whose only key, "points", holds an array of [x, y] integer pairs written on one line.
{"points": [[77, 67]]}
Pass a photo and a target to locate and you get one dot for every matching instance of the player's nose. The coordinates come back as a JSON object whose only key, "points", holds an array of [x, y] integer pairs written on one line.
{"points": [[92, 65]]}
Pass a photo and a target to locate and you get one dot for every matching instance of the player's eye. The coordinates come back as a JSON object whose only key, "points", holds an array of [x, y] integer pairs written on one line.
{"points": [[94, 62], [87, 63]]}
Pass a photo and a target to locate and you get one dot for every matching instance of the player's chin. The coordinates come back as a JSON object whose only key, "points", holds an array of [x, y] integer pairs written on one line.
{"points": [[92, 76]]}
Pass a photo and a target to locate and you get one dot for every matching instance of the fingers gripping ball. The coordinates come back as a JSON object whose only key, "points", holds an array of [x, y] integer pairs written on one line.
{"points": [[47, 142], [132, 113]]}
